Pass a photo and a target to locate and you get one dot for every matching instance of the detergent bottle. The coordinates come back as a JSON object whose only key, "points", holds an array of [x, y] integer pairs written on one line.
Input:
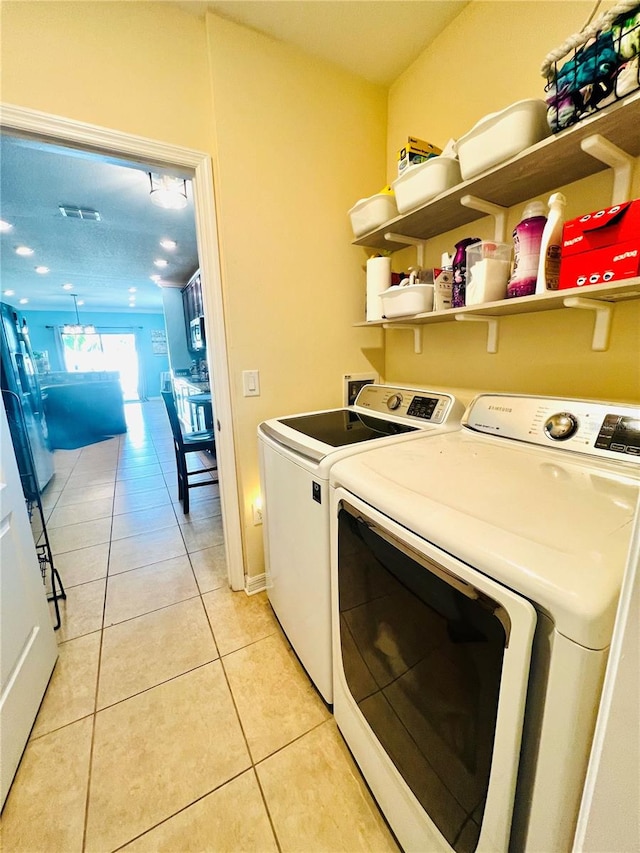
{"points": [[551, 246], [527, 238]]}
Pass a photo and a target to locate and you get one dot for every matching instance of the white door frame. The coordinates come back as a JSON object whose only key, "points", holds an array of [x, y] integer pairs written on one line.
{"points": [[197, 166]]}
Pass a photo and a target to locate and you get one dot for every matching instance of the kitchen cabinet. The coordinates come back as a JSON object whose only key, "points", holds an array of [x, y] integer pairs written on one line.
{"points": [[610, 138], [192, 299]]}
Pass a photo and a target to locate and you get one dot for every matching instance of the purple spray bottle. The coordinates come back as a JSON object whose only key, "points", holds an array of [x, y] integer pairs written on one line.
{"points": [[459, 266]]}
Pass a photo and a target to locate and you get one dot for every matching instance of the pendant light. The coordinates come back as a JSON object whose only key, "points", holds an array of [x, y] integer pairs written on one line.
{"points": [[77, 328], [168, 192]]}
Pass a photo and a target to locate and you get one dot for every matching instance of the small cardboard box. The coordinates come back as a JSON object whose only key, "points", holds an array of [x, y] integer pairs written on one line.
{"points": [[601, 246], [416, 151]]}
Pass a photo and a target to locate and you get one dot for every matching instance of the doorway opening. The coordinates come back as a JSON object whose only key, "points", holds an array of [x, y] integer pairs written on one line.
{"points": [[112, 351], [120, 147]]}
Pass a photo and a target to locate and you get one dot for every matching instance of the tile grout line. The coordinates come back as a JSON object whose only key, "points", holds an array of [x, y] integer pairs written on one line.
{"points": [[97, 687]]}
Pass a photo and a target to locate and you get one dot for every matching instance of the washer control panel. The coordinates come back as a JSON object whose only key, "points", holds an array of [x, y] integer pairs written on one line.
{"points": [[432, 407], [610, 430]]}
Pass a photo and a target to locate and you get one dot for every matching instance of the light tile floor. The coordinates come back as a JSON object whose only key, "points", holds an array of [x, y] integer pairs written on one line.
{"points": [[178, 717]]}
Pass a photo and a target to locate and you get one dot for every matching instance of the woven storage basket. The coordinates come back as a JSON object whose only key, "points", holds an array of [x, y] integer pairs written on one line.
{"points": [[595, 67]]}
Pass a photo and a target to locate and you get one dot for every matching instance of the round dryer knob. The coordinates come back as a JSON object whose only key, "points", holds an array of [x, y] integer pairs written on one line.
{"points": [[394, 401], [561, 426]]}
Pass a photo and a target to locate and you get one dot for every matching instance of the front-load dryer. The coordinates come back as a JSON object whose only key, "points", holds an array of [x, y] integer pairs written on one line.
{"points": [[475, 581]]}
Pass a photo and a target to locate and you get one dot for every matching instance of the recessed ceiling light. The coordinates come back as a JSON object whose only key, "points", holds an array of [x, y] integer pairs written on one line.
{"points": [[67, 286], [169, 245], [9, 293], [24, 250], [23, 301], [132, 289], [42, 270], [7, 226], [160, 262], [155, 278]]}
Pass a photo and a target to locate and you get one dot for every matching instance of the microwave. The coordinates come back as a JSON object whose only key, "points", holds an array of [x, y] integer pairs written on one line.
{"points": [[197, 336]]}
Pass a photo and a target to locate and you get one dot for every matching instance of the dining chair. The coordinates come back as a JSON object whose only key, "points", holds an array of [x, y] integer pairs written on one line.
{"points": [[185, 443]]}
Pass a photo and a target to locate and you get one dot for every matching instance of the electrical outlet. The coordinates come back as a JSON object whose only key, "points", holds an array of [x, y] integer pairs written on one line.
{"points": [[257, 513]]}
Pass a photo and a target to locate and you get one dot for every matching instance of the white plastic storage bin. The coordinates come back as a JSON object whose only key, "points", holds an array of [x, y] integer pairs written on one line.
{"points": [[499, 136], [400, 301], [369, 213], [488, 268], [419, 183]]}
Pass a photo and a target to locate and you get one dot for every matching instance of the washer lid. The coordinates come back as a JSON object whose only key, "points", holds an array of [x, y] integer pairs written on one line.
{"points": [[340, 427], [552, 526]]}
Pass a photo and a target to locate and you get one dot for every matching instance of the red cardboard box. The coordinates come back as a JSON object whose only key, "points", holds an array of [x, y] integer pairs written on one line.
{"points": [[601, 246]]}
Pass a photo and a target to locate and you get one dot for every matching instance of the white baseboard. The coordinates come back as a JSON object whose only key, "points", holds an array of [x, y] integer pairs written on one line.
{"points": [[254, 584]]}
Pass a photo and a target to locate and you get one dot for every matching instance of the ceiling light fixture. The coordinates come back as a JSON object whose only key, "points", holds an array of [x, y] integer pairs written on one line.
{"points": [[155, 278], [67, 286], [160, 262], [23, 301], [7, 226], [9, 293], [169, 245], [42, 270], [24, 250], [168, 192], [132, 289], [77, 328]]}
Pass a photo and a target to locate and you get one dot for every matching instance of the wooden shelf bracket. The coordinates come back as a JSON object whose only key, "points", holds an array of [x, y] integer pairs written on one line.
{"points": [[492, 328], [602, 325], [409, 241], [417, 334], [498, 212], [621, 163]]}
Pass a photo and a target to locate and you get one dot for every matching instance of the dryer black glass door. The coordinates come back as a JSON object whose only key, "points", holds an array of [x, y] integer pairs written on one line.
{"points": [[422, 654]]}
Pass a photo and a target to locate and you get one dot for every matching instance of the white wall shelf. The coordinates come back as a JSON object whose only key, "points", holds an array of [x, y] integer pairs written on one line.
{"points": [[554, 162], [599, 298]]}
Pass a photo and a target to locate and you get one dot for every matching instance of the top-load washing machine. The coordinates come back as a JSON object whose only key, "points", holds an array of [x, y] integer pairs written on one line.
{"points": [[475, 581], [296, 455]]}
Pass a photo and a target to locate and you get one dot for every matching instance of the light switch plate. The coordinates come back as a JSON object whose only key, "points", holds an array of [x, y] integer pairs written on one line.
{"points": [[251, 383]]}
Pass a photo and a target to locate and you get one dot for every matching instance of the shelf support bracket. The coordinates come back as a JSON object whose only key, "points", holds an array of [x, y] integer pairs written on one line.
{"points": [[602, 325], [492, 328], [417, 334], [498, 212], [410, 241], [621, 163]]}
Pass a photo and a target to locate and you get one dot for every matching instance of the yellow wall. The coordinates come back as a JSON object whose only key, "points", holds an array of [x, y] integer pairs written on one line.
{"points": [[298, 141], [486, 59], [136, 67]]}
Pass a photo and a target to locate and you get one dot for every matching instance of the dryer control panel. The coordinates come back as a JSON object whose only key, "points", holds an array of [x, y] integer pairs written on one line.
{"points": [[609, 430]]}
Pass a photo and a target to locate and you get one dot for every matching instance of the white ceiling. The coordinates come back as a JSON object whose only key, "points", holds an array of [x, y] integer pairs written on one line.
{"points": [[375, 39]]}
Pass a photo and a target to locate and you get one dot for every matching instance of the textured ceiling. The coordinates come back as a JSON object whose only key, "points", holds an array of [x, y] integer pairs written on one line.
{"points": [[102, 260]]}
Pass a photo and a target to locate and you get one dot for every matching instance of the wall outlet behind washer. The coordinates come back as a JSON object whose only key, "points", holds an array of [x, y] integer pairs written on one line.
{"points": [[353, 382]]}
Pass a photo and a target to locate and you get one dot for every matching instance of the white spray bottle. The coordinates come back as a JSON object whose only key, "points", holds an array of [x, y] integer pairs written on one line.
{"points": [[551, 246]]}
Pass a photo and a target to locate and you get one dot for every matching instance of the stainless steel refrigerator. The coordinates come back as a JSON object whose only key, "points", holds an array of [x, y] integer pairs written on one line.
{"points": [[23, 402]]}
